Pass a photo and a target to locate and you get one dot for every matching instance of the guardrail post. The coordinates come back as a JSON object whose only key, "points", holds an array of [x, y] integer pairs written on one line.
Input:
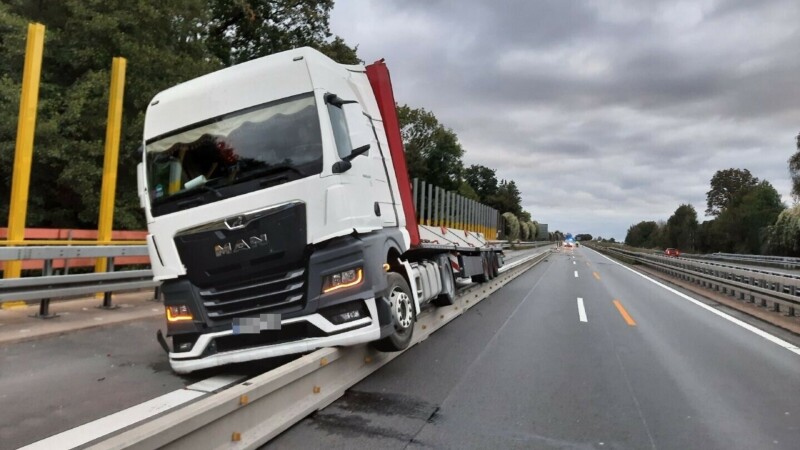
{"points": [[107, 294], [44, 304]]}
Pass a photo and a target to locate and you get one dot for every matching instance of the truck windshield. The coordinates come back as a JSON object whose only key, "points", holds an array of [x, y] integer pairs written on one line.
{"points": [[263, 141]]}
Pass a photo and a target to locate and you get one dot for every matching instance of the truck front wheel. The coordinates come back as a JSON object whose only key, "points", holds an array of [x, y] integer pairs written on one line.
{"points": [[403, 315]]}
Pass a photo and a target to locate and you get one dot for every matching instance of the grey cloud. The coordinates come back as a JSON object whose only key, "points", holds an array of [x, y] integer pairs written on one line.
{"points": [[604, 113]]}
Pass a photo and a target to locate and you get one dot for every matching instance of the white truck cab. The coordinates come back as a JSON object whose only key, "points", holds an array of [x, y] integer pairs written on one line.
{"points": [[276, 221]]}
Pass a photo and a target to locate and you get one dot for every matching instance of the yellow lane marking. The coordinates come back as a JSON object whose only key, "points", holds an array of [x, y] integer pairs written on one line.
{"points": [[624, 313], [596, 275]]}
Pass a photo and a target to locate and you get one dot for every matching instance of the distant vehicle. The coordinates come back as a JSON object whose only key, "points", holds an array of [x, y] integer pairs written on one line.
{"points": [[672, 252]]}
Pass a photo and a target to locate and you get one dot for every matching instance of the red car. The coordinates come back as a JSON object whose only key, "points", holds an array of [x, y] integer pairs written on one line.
{"points": [[672, 252]]}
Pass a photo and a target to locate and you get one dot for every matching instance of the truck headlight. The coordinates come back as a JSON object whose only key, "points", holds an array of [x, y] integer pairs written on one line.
{"points": [[342, 280], [176, 313]]}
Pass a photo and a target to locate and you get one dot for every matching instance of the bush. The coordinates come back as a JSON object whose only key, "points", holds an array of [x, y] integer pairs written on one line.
{"points": [[512, 226], [524, 231], [533, 231]]}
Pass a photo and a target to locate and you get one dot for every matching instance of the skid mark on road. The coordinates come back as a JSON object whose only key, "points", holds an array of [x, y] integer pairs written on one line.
{"points": [[596, 276]]}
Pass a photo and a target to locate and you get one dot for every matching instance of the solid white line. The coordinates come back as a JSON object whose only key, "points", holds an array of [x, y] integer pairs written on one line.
{"points": [[581, 310], [576, 274], [774, 339], [88, 432]]}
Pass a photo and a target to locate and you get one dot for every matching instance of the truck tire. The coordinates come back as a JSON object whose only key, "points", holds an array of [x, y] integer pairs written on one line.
{"points": [[448, 295], [403, 315], [484, 277]]}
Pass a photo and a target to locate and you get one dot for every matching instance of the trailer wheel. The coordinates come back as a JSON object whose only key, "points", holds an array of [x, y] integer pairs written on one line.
{"points": [[403, 315], [484, 277], [448, 295]]}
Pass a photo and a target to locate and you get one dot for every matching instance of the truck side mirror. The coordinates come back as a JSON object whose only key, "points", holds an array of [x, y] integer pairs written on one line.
{"points": [[341, 166], [344, 165]]}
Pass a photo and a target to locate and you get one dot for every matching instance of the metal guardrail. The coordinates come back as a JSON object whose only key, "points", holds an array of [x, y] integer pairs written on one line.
{"points": [[70, 251], [505, 245], [773, 261], [747, 284], [251, 413], [48, 285]]}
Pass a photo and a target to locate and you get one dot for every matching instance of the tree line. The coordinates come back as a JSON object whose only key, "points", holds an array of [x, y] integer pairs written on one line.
{"points": [[748, 217], [434, 154], [166, 43]]}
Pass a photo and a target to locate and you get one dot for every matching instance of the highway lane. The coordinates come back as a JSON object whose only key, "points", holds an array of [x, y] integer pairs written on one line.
{"points": [[53, 384], [522, 370], [60, 382]]}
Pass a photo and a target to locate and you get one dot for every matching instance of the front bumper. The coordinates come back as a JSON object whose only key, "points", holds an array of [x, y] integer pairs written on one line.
{"points": [[363, 330]]}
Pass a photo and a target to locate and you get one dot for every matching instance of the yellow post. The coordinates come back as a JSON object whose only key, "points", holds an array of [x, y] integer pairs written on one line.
{"points": [[23, 152], [106, 220]]}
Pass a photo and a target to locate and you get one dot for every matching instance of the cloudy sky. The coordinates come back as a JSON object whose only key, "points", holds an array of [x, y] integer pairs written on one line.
{"points": [[606, 112]]}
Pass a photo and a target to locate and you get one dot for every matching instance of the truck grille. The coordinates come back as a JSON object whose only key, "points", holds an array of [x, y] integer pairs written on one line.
{"points": [[277, 294]]}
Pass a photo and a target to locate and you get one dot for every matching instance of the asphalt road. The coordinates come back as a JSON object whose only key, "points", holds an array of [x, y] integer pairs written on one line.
{"points": [[56, 383], [53, 384], [522, 370]]}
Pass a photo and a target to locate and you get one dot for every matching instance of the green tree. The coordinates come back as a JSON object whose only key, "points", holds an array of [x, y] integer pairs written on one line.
{"points": [[433, 153], [783, 238], [483, 179], [507, 198], [512, 226], [709, 238], [742, 224], [165, 43], [534, 231], [524, 231], [465, 190], [241, 30], [641, 234], [681, 229], [160, 41], [725, 186], [794, 170]]}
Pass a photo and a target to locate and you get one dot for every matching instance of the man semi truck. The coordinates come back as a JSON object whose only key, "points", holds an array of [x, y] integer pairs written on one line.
{"points": [[281, 218]]}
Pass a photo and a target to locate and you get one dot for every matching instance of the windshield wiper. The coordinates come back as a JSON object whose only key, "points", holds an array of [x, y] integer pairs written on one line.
{"points": [[207, 188], [188, 193], [271, 170]]}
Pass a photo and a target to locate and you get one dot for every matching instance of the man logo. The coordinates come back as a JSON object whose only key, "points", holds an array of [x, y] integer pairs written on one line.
{"points": [[250, 243]]}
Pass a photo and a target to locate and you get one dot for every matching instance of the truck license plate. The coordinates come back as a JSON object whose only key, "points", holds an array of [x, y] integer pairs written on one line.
{"points": [[255, 325]]}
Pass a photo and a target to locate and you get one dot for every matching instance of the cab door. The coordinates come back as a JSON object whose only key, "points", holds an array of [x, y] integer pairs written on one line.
{"points": [[355, 194]]}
